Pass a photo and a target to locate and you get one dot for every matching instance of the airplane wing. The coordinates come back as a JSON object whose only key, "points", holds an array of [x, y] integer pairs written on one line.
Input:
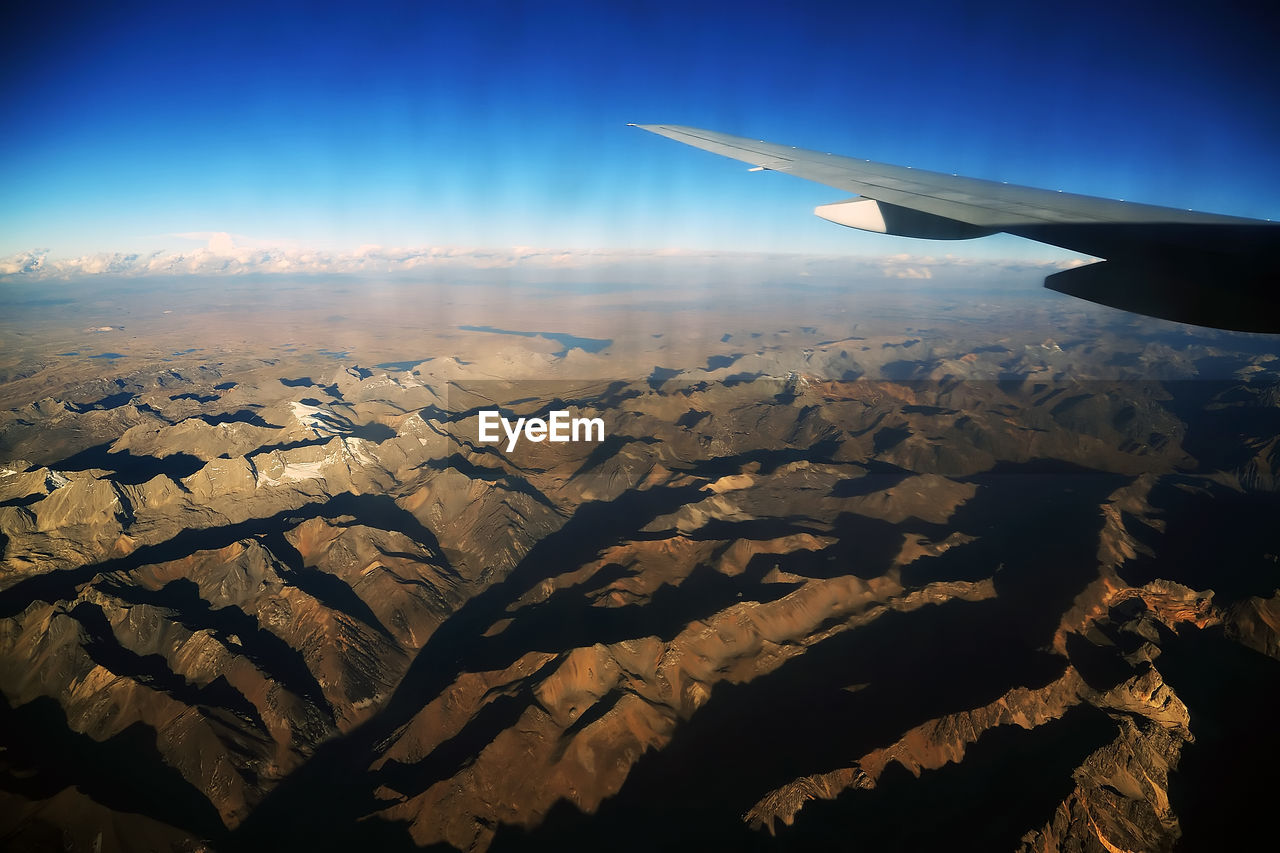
{"points": [[1201, 268]]}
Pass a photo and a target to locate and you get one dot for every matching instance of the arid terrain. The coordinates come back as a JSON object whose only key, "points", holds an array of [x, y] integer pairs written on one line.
{"points": [[856, 571]]}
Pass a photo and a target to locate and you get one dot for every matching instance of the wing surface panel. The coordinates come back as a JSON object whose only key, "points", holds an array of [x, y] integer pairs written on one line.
{"points": [[989, 204]]}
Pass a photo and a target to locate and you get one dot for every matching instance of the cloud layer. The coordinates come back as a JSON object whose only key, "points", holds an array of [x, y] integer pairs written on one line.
{"points": [[231, 255]]}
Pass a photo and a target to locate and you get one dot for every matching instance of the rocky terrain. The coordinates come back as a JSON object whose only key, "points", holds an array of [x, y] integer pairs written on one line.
{"points": [[818, 591]]}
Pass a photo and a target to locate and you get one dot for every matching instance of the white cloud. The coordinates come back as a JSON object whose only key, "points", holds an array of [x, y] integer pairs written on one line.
{"points": [[23, 263], [907, 272], [231, 254]]}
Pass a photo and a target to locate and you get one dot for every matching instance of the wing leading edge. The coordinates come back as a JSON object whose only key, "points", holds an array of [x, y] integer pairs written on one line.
{"points": [[1201, 268]]}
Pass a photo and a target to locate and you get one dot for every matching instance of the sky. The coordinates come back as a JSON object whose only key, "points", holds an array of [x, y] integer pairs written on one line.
{"points": [[145, 130]]}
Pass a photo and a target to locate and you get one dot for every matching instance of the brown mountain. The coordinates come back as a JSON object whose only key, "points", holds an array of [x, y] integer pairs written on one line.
{"points": [[252, 609]]}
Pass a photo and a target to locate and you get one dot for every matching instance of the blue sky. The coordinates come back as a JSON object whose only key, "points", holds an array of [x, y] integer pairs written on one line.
{"points": [[504, 124]]}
